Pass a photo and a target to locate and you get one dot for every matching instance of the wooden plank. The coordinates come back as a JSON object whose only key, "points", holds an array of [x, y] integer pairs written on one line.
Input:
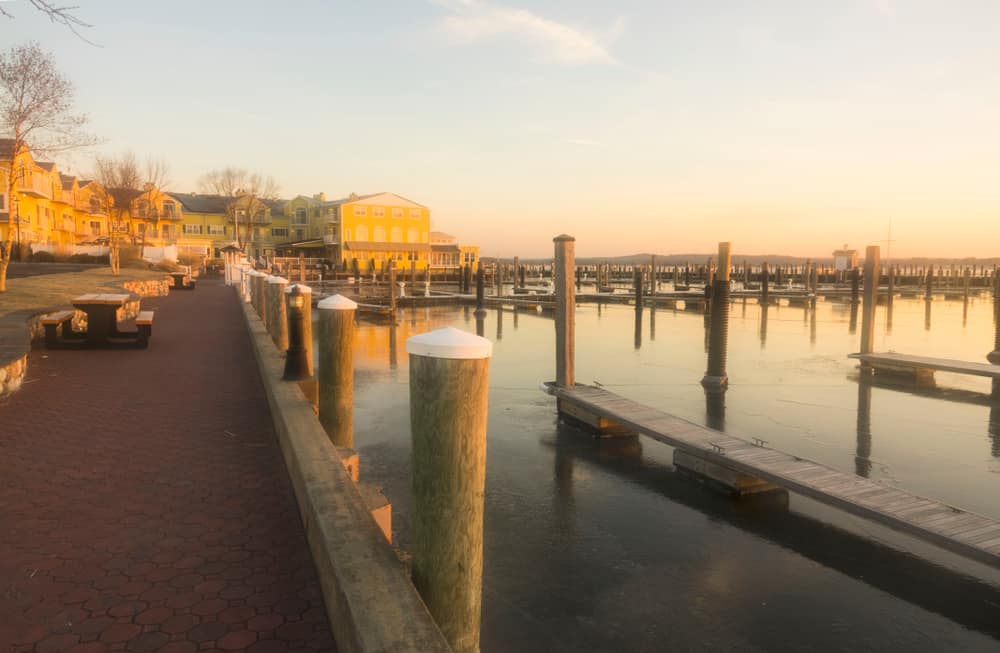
{"points": [[926, 362], [961, 532]]}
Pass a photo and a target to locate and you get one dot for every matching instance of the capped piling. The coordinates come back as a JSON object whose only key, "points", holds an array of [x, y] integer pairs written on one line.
{"points": [[335, 382], [716, 376], [565, 263]]}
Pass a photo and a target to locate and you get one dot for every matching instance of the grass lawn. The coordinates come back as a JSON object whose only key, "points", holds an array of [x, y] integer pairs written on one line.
{"points": [[56, 290]]}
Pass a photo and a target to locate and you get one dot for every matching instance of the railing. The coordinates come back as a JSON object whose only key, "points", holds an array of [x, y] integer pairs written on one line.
{"points": [[331, 239], [39, 185]]}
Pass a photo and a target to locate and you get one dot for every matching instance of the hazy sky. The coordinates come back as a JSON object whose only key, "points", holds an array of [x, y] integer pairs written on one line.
{"points": [[785, 126]]}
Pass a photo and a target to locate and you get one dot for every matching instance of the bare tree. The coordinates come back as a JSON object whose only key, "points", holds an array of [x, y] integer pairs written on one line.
{"points": [[246, 193], [157, 177], [36, 114], [60, 15], [120, 183]]}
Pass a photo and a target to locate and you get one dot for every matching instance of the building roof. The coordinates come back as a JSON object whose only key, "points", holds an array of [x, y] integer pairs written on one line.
{"points": [[446, 248], [845, 252], [362, 246], [361, 198], [197, 203], [67, 181], [46, 165], [6, 147]]}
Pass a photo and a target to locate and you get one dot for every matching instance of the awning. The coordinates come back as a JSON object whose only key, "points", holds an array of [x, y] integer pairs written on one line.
{"points": [[359, 246], [308, 244], [446, 248]]}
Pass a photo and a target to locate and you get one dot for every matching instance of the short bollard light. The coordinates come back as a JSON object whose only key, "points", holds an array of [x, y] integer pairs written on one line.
{"points": [[296, 362]]}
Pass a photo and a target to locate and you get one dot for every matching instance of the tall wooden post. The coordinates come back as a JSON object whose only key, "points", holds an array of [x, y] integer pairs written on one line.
{"points": [[335, 382], [930, 282], [565, 264], [449, 383], [763, 283], [302, 267], [518, 274], [870, 299], [278, 318], [715, 375], [392, 289], [307, 330]]}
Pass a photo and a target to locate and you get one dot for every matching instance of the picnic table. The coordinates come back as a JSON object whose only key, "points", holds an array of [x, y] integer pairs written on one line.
{"points": [[102, 316], [182, 281]]}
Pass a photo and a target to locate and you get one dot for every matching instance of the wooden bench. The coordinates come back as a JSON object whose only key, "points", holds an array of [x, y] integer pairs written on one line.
{"points": [[144, 325], [57, 325]]}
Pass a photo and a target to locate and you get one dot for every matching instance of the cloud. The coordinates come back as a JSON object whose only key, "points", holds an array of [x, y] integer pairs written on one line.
{"points": [[473, 20], [885, 8], [583, 141]]}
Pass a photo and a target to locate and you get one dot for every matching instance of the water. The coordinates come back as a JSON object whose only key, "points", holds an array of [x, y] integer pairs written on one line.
{"points": [[600, 545]]}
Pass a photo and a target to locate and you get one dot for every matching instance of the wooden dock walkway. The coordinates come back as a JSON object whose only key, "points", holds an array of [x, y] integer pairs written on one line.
{"points": [[954, 529], [908, 362]]}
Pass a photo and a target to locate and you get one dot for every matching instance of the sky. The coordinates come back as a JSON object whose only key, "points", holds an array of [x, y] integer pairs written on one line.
{"points": [[786, 127]]}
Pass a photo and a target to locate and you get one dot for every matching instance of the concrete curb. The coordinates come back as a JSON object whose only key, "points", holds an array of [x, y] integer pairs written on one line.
{"points": [[370, 602]]}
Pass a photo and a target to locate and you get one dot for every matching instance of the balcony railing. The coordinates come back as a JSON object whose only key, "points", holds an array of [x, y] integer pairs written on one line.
{"points": [[37, 185], [331, 239]]}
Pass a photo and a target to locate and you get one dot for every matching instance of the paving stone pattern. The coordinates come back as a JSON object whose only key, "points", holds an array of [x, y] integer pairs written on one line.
{"points": [[144, 503]]}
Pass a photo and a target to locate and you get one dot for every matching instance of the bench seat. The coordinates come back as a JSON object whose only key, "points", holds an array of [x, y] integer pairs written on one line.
{"points": [[144, 326], [57, 325]]}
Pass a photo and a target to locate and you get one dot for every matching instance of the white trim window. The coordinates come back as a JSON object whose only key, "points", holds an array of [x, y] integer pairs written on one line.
{"points": [[279, 232], [379, 235], [361, 210], [396, 235], [192, 229], [415, 214], [397, 213], [362, 233], [216, 230], [378, 212]]}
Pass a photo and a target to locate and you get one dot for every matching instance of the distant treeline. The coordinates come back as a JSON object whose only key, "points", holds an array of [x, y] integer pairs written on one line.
{"points": [[697, 259]]}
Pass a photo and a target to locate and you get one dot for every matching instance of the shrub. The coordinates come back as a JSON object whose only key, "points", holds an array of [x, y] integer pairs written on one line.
{"points": [[163, 265], [87, 258], [42, 257]]}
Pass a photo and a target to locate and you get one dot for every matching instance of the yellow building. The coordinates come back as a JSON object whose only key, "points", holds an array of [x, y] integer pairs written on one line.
{"points": [[378, 229]]}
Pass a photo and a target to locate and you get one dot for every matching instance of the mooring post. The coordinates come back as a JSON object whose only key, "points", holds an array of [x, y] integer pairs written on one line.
{"points": [[652, 274], [966, 281], [855, 285], [307, 334], [763, 283], [565, 263], [870, 299], [392, 289], [930, 282], [480, 292], [335, 380], [637, 284], [297, 356], [715, 376], [892, 283], [262, 299], [449, 383], [277, 321]]}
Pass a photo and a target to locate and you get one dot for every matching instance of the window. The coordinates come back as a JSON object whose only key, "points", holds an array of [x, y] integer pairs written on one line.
{"points": [[169, 209], [423, 236], [360, 210], [95, 228], [300, 234], [300, 216], [412, 236], [378, 212], [95, 205], [379, 235], [470, 257], [397, 213], [347, 234], [166, 231], [3, 202], [415, 214], [279, 232], [217, 229], [396, 235], [362, 233], [190, 229], [140, 228]]}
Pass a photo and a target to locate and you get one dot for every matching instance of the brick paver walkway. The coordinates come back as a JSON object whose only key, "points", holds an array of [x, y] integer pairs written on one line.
{"points": [[144, 504]]}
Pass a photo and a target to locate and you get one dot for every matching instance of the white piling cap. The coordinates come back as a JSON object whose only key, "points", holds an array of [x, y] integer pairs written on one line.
{"points": [[277, 280], [449, 342], [336, 303], [305, 290]]}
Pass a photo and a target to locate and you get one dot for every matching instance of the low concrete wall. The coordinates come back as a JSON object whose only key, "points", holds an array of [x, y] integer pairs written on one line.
{"points": [[370, 602], [21, 330]]}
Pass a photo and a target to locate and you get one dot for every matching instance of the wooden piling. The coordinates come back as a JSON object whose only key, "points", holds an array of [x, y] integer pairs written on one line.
{"points": [[870, 299], [565, 264], [715, 375], [277, 321], [335, 382], [449, 382]]}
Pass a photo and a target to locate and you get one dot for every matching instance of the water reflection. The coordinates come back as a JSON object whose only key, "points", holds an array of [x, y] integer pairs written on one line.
{"points": [[516, 312], [392, 345], [994, 428], [499, 323], [480, 325], [852, 326], [763, 325], [652, 322], [637, 338], [863, 450], [927, 315], [965, 311], [888, 318], [812, 322], [715, 408]]}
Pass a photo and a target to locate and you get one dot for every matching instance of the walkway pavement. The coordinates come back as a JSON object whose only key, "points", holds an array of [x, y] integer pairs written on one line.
{"points": [[144, 503]]}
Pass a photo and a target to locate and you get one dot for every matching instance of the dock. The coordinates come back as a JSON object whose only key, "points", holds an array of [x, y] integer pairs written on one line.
{"points": [[925, 365], [964, 533]]}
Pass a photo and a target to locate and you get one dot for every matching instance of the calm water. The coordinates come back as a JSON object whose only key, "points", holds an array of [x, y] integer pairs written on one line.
{"points": [[600, 545]]}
